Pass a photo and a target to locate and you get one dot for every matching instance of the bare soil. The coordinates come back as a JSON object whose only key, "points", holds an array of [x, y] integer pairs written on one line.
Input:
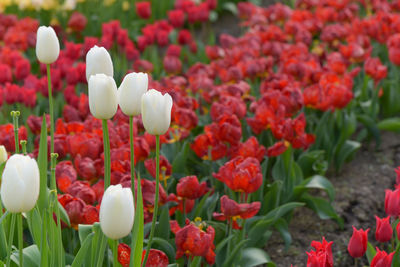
{"points": [[360, 194]]}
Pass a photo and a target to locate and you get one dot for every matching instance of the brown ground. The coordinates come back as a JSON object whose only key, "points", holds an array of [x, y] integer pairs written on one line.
{"points": [[360, 194]]}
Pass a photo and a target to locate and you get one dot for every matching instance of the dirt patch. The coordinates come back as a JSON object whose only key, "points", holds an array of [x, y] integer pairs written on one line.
{"points": [[360, 194]]}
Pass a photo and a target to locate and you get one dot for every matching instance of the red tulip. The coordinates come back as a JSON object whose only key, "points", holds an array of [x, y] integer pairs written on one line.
{"points": [[322, 255], [392, 202], [358, 243], [156, 258], [176, 18], [384, 229], [382, 259], [143, 9], [190, 188]]}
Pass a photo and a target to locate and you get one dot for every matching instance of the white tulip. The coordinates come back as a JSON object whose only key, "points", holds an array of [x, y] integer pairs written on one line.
{"points": [[156, 112], [47, 45], [3, 154], [98, 60], [20, 184], [117, 212], [103, 101], [130, 92]]}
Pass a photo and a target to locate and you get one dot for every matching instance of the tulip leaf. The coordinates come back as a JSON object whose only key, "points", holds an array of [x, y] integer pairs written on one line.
{"points": [[4, 216], [163, 228], [371, 126], [63, 214], [316, 182], [42, 163], [234, 253], [165, 246], [179, 163], [282, 226], [390, 124], [138, 230], [31, 256], [370, 252], [345, 152], [84, 230], [82, 253], [323, 208], [199, 206], [396, 257], [255, 257], [271, 198], [35, 224]]}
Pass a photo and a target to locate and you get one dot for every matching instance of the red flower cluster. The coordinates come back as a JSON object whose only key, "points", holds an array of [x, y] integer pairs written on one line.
{"points": [[322, 255], [156, 258]]}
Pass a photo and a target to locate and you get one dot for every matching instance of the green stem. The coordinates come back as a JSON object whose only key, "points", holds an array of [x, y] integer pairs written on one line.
{"points": [[107, 160], [153, 223], [20, 239], [228, 251], [15, 115], [115, 252], [355, 262], [53, 162], [132, 157], [51, 109], [103, 243], [10, 240], [23, 145], [43, 245]]}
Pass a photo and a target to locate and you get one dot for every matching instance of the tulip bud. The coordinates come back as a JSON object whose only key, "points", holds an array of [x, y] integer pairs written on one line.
{"points": [[384, 230], [3, 154], [358, 243], [47, 45], [392, 202], [103, 101], [130, 93], [156, 112], [117, 212], [20, 184], [98, 60]]}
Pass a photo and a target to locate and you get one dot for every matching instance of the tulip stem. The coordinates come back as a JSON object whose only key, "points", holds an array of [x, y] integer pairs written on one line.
{"points": [[153, 223], [23, 145], [132, 158], [20, 239], [51, 109], [115, 252], [107, 160], [355, 262], [11, 238], [15, 115]]}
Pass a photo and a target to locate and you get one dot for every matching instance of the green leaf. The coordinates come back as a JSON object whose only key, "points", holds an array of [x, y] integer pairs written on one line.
{"points": [[370, 252], [390, 124], [234, 254], [316, 182], [4, 216], [255, 257], [346, 151], [271, 198], [42, 163], [63, 214], [283, 228], [84, 230], [83, 251], [199, 206], [138, 230], [371, 126], [163, 228], [35, 224], [164, 246], [323, 208], [31, 256], [179, 163], [230, 7]]}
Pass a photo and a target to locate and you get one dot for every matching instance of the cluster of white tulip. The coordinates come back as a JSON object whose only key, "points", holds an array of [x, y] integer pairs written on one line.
{"points": [[117, 209]]}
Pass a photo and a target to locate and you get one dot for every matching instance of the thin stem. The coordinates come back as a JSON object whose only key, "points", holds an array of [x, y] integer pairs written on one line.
{"points": [[51, 108], [10, 240], [355, 262], [20, 239], [228, 252], [107, 160], [153, 223], [43, 245], [23, 145], [132, 157], [53, 162], [15, 115], [115, 252]]}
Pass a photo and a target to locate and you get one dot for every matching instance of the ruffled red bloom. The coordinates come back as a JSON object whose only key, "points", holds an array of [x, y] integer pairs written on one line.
{"points": [[77, 22], [241, 174], [184, 37], [84, 144], [358, 243], [192, 240], [90, 215], [207, 147], [85, 167], [82, 190], [172, 65], [232, 211], [143, 9], [65, 175], [74, 208], [382, 259], [156, 258], [165, 167], [185, 117], [190, 188], [375, 69], [176, 18], [181, 202], [250, 148]]}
